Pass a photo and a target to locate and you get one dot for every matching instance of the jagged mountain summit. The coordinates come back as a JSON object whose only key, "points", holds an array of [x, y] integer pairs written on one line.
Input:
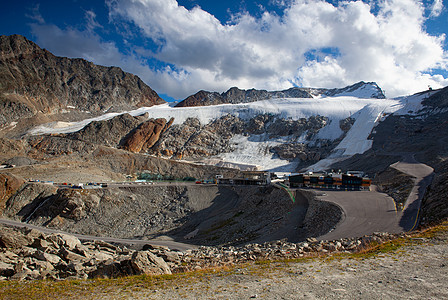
{"points": [[33, 81], [236, 95]]}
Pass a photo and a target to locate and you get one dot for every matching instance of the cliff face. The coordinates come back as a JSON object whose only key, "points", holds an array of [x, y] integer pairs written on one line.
{"points": [[32, 80], [146, 135]]}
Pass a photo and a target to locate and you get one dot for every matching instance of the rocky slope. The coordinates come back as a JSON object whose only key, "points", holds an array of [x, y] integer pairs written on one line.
{"points": [[29, 254], [236, 95], [33, 81], [195, 140]]}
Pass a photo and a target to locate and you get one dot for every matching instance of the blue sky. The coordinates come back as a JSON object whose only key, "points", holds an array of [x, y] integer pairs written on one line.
{"points": [[181, 47]]}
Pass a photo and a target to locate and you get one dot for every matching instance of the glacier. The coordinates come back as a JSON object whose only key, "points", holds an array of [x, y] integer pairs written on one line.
{"points": [[253, 150]]}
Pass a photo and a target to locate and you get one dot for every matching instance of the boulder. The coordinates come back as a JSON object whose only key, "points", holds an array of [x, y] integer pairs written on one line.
{"points": [[12, 238], [106, 269], [71, 256], [51, 258], [69, 241], [6, 270], [144, 262]]}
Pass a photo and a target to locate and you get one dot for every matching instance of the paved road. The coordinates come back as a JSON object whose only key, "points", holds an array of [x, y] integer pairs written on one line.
{"points": [[364, 213], [368, 212], [423, 177], [170, 244]]}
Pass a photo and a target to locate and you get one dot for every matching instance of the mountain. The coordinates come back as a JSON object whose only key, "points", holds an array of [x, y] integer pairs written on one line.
{"points": [[34, 81], [236, 95], [283, 134]]}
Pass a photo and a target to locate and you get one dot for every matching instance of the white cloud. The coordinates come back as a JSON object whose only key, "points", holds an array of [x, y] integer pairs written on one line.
{"points": [[436, 8], [36, 16], [389, 46]]}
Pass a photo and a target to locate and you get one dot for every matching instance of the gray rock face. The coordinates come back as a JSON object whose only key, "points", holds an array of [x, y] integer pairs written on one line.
{"points": [[33, 80], [108, 133], [194, 140]]}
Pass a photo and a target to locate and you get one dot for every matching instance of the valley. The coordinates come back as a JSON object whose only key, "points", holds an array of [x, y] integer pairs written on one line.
{"points": [[90, 124]]}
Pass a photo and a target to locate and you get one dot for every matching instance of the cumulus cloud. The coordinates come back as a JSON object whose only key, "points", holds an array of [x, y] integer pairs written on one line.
{"points": [[313, 43], [390, 46]]}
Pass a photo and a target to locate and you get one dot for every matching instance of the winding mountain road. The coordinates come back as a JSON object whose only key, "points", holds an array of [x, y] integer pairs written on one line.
{"points": [[368, 212]]}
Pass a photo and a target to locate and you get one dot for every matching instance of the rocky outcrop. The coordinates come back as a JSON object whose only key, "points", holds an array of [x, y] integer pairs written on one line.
{"points": [[32, 80], [437, 101], [346, 124], [236, 95], [300, 151], [192, 139], [108, 132], [146, 135], [9, 184]]}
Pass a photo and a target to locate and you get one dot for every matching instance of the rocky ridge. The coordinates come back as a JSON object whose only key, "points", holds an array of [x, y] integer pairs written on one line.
{"points": [[34, 81], [235, 95]]}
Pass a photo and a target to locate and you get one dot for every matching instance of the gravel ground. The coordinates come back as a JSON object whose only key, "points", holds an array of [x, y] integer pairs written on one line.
{"points": [[419, 271]]}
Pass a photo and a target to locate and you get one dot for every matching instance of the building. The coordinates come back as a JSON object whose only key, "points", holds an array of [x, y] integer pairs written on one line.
{"points": [[330, 181], [247, 178]]}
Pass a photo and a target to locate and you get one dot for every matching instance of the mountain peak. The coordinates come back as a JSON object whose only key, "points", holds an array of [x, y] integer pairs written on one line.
{"points": [[235, 95], [32, 80]]}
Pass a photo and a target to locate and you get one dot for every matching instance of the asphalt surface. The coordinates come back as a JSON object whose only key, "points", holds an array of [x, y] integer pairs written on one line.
{"points": [[364, 212], [168, 243], [423, 177], [370, 211]]}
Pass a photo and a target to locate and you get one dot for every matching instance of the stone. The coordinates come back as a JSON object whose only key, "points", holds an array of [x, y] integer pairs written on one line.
{"points": [[75, 266], [11, 238], [71, 256], [107, 269], [144, 262], [43, 266], [171, 257], [41, 244], [51, 258], [6, 270], [101, 256], [70, 241]]}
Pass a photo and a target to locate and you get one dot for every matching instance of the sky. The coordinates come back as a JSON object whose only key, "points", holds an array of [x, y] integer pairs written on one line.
{"points": [[181, 47]]}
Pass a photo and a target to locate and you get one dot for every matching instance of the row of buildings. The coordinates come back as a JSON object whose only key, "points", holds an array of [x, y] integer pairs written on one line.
{"points": [[338, 181]]}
